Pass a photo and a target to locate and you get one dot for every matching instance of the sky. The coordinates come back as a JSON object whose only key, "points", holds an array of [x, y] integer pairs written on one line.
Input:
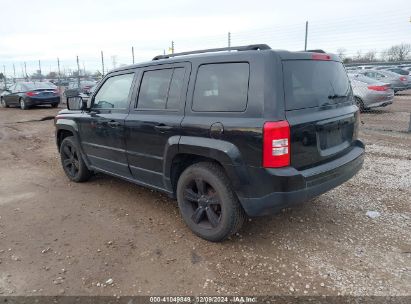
{"points": [[45, 30]]}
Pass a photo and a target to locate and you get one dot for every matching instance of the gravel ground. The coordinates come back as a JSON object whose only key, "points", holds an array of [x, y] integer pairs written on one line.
{"points": [[110, 237]]}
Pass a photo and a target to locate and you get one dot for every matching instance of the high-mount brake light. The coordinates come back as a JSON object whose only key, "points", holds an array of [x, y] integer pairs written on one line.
{"points": [[318, 56], [276, 144]]}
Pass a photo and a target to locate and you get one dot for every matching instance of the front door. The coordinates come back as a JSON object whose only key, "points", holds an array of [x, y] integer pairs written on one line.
{"points": [[102, 129], [155, 119], [11, 98]]}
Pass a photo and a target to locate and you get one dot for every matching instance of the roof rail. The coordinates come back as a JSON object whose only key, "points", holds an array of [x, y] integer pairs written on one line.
{"points": [[314, 51], [251, 47]]}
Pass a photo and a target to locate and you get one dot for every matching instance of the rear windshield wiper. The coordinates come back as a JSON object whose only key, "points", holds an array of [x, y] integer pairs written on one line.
{"points": [[337, 96]]}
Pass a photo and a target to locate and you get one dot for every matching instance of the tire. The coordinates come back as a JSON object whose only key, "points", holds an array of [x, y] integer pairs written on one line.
{"points": [[3, 103], [360, 104], [207, 202], [54, 105], [72, 161], [23, 104]]}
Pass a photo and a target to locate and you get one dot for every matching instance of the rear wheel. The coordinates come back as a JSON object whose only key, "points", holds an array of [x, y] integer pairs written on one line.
{"points": [[72, 162], [3, 103], [23, 104], [360, 104], [207, 202], [54, 105]]}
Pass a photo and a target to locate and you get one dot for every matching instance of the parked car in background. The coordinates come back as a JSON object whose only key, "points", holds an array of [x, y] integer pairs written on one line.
{"points": [[403, 72], [397, 82], [370, 93], [74, 89], [365, 67], [27, 94]]}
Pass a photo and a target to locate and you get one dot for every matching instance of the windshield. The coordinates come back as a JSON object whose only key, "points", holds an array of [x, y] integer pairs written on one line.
{"points": [[314, 83], [399, 71], [38, 85], [364, 79]]}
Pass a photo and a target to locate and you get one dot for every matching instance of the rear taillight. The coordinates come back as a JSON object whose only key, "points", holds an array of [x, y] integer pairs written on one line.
{"points": [[403, 78], [31, 94], [321, 57], [276, 144], [378, 88]]}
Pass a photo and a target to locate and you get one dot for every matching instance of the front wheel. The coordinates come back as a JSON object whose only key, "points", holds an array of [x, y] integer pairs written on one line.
{"points": [[207, 202], [3, 103], [73, 164]]}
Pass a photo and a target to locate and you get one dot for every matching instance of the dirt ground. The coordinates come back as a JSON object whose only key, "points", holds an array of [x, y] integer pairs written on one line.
{"points": [[110, 237]]}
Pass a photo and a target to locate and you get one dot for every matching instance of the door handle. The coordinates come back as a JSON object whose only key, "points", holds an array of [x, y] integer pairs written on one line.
{"points": [[162, 128], [113, 124]]}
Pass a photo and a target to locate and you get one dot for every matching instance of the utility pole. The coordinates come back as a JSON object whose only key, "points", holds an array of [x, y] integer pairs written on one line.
{"points": [[306, 35], [78, 73], [4, 78], [172, 47], [102, 62], [58, 66], [132, 52], [14, 73], [25, 71], [229, 40], [40, 69]]}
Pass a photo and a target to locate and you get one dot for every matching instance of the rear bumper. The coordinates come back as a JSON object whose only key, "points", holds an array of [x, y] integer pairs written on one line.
{"points": [[39, 101], [380, 104], [300, 186]]}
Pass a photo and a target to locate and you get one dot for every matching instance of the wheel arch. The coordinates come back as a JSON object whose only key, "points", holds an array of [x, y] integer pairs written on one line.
{"points": [[187, 150], [65, 128]]}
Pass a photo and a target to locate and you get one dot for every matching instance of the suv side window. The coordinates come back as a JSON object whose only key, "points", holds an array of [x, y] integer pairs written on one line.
{"points": [[161, 89], [221, 87], [114, 92]]}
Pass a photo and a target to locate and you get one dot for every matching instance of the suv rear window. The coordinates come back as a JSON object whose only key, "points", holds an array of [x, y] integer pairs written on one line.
{"points": [[221, 87], [314, 83]]}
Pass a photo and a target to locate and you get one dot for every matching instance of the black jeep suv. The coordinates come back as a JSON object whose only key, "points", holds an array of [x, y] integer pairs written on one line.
{"points": [[228, 132]]}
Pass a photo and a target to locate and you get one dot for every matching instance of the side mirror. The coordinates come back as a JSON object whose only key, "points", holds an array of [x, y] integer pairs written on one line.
{"points": [[76, 103]]}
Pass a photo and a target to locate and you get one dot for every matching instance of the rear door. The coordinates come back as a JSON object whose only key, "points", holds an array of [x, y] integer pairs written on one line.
{"points": [[154, 119], [320, 110]]}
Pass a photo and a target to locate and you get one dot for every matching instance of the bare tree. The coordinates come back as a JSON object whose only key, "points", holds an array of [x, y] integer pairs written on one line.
{"points": [[370, 55], [398, 52], [341, 52]]}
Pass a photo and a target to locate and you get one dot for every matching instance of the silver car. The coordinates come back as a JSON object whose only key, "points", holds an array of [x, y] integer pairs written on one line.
{"points": [[397, 82], [369, 93]]}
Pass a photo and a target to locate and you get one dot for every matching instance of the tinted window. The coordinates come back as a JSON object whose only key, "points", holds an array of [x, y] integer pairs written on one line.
{"points": [[312, 83], [38, 85], [176, 86], [221, 87], [114, 92], [399, 71], [161, 89]]}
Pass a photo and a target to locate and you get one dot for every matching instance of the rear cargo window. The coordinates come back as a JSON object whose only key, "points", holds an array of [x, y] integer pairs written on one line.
{"points": [[221, 87], [314, 83]]}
